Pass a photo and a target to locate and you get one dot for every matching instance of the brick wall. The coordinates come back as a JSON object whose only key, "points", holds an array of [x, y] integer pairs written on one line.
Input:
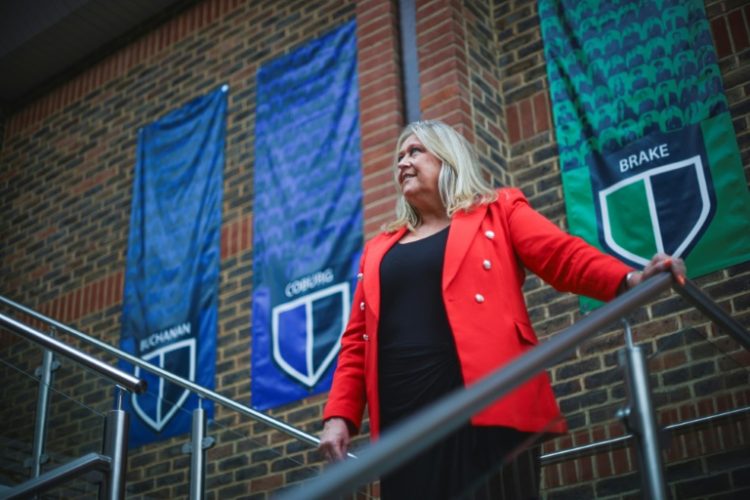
{"points": [[66, 167]]}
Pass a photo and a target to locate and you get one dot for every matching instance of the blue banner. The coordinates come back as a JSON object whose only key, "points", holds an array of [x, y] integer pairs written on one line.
{"points": [[307, 216], [170, 304]]}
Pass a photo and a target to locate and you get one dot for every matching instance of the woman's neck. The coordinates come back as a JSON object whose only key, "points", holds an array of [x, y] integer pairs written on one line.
{"points": [[427, 227]]}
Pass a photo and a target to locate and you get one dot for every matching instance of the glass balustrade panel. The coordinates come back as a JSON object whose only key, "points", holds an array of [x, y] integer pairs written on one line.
{"points": [[74, 425], [701, 384]]}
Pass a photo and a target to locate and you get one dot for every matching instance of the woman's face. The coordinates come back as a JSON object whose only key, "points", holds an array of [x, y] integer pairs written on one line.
{"points": [[418, 172]]}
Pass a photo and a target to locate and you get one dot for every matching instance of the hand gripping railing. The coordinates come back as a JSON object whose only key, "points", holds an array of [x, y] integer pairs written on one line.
{"points": [[431, 424], [113, 461]]}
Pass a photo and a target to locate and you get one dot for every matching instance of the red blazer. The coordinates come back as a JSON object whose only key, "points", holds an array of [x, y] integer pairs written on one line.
{"points": [[483, 274]]}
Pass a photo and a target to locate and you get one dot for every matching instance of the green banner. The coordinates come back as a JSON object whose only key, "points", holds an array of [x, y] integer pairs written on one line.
{"points": [[648, 153]]}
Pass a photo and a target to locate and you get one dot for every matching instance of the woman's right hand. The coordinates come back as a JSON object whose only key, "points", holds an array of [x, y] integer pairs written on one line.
{"points": [[334, 440]]}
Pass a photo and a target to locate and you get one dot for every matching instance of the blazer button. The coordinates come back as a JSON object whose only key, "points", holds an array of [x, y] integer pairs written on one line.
{"points": [[490, 234], [365, 336], [487, 264], [361, 306], [359, 276], [479, 298]]}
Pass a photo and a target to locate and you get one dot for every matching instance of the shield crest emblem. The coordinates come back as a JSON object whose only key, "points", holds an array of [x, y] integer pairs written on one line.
{"points": [[662, 209], [156, 410], [306, 332]]}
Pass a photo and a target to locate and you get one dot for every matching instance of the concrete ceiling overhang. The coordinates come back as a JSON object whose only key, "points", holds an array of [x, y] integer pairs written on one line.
{"points": [[43, 42]]}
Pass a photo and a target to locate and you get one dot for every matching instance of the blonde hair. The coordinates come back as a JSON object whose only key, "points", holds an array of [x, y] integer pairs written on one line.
{"points": [[460, 181]]}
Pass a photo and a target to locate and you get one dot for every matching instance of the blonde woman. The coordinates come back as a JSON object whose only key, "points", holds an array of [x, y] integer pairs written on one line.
{"points": [[439, 305]]}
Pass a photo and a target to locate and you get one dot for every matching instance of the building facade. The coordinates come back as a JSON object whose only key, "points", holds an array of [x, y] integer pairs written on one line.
{"points": [[66, 174]]}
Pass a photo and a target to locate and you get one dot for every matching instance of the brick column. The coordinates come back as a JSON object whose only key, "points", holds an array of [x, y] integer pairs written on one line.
{"points": [[443, 78], [381, 106]]}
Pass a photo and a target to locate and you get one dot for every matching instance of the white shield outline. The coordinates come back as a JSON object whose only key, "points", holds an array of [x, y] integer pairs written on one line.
{"points": [[160, 422], [312, 376], [694, 161]]}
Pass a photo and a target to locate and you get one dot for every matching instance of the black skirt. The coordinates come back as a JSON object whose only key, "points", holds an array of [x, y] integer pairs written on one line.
{"points": [[472, 462]]}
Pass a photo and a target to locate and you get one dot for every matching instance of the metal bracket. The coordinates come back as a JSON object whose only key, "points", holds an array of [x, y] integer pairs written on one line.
{"points": [[624, 415], [29, 462], [53, 367], [206, 443]]}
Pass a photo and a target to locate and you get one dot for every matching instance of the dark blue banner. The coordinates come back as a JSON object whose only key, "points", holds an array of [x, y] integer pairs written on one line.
{"points": [[169, 315], [307, 234]]}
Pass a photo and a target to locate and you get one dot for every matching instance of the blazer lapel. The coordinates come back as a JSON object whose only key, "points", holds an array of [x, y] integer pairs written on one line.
{"points": [[464, 227], [375, 252]]}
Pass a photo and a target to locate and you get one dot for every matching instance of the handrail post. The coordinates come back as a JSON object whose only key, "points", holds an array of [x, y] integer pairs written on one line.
{"points": [[640, 418], [197, 448], [116, 448], [44, 372]]}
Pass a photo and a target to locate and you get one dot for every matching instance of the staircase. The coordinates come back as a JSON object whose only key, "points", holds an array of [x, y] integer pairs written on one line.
{"points": [[672, 419]]}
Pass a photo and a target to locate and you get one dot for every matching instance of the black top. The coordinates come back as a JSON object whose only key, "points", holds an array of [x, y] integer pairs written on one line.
{"points": [[418, 364], [417, 355]]}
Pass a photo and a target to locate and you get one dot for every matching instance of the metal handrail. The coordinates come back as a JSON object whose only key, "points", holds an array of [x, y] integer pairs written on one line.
{"points": [[584, 449], [175, 379], [117, 376], [418, 432], [711, 309], [66, 472]]}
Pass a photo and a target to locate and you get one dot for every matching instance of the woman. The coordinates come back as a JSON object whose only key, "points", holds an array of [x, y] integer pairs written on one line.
{"points": [[439, 304]]}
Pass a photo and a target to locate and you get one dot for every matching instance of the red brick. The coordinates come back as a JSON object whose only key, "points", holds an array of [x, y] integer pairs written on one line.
{"points": [[236, 237], [373, 12], [620, 461], [111, 289], [585, 469], [721, 37], [247, 232], [224, 242], [541, 112], [379, 137], [438, 83], [514, 125], [267, 483], [378, 81], [738, 30], [551, 475], [568, 472], [603, 465], [382, 178], [76, 299], [444, 94], [119, 278], [381, 33], [84, 305], [378, 92], [448, 33], [454, 112], [526, 118], [97, 302], [440, 56], [438, 69], [380, 154]]}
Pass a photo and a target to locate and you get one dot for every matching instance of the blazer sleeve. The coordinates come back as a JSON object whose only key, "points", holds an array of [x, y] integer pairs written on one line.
{"points": [[347, 397], [566, 262]]}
